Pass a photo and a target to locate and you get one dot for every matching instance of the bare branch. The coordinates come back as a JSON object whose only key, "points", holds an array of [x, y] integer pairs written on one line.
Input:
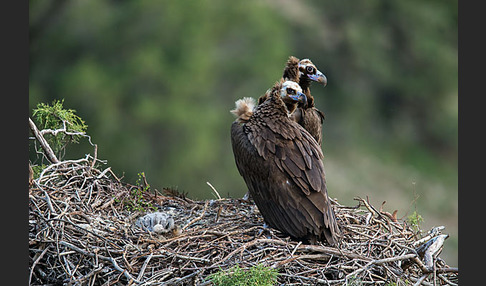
{"points": [[47, 149]]}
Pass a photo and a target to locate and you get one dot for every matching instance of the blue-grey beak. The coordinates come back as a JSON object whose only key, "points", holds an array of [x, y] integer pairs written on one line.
{"points": [[319, 77], [300, 97]]}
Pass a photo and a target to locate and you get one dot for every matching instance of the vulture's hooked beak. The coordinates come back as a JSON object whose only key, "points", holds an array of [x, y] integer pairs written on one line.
{"points": [[319, 77], [300, 98]]}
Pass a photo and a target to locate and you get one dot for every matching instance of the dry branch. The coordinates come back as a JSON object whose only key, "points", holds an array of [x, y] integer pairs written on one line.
{"points": [[45, 146]]}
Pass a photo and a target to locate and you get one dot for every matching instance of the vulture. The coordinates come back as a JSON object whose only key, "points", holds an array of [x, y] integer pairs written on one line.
{"points": [[307, 115], [281, 164]]}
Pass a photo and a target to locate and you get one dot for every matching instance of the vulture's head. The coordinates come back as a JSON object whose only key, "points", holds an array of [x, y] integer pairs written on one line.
{"points": [[291, 94], [308, 72]]}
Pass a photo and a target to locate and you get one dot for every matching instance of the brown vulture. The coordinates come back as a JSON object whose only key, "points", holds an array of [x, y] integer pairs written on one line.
{"points": [[282, 166], [307, 115]]}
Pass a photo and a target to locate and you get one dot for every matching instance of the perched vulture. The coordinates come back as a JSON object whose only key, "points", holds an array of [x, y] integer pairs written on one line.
{"points": [[307, 115], [282, 166]]}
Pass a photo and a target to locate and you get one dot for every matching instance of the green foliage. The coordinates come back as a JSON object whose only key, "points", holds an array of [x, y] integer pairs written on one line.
{"points": [[55, 117], [415, 220], [37, 170], [137, 201], [258, 275]]}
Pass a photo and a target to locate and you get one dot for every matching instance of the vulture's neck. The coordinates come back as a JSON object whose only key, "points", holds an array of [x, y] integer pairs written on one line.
{"points": [[305, 85]]}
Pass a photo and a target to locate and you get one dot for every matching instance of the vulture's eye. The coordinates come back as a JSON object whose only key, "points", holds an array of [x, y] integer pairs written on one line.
{"points": [[290, 91], [310, 69]]}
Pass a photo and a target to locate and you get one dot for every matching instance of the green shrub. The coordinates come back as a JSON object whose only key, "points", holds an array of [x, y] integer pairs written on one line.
{"points": [[137, 201], [414, 220], [56, 118], [258, 275]]}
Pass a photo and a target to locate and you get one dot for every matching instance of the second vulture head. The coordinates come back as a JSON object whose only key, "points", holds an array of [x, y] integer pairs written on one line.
{"points": [[308, 71]]}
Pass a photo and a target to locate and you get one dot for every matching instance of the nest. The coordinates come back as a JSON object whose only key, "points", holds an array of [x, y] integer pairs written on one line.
{"points": [[83, 232]]}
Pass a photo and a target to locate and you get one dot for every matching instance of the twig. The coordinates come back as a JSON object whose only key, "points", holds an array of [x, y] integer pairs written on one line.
{"points": [[393, 259], [65, 131], [432, 233], [198, 218], [35, 263], [179, 280], [295, 248], [59, 163], [448, 270], [94, 157], [211, 186], [420, 280], [185, 257], [379, 262], [109, 259], [47, 149], [142, 270], [48, 200], [431, 249], [103, 173]]}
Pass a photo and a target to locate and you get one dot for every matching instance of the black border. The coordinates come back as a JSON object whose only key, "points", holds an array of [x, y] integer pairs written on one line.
{"points": [[15, 86]]}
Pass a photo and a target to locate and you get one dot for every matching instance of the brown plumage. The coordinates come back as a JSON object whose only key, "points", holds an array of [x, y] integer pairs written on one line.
{"points": [[308, 116], [282, 166]]}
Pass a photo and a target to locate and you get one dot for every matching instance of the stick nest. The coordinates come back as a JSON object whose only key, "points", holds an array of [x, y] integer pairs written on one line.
{"points": [[81, 232]]}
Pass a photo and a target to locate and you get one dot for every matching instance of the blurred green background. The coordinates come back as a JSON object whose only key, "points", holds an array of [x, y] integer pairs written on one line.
{"points": [[155, 80]]}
